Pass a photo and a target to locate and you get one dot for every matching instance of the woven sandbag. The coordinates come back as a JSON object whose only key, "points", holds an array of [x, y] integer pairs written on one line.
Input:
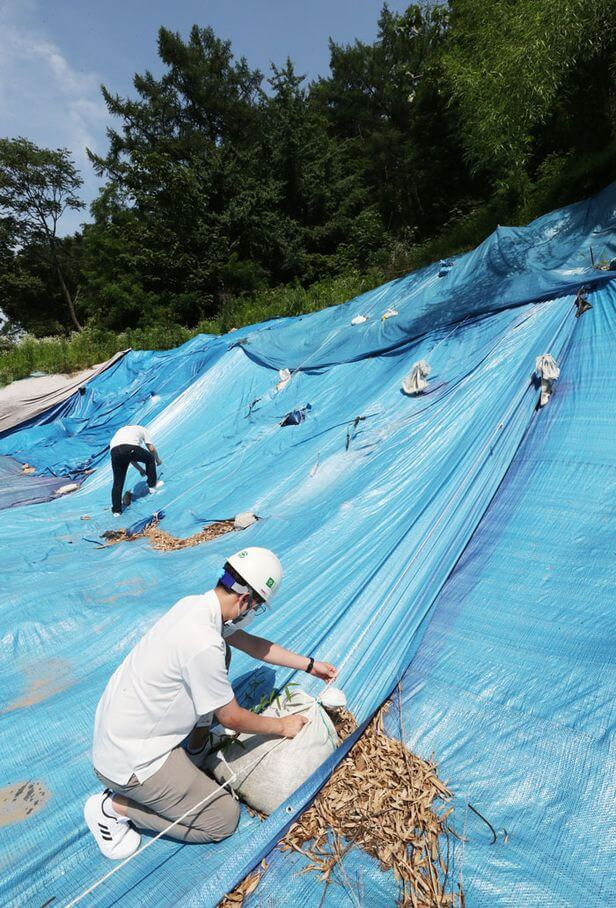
{"points": [[266, 769]]}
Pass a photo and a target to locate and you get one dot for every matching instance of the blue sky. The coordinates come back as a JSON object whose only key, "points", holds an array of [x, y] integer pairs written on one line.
{"points": [[54, 54]]}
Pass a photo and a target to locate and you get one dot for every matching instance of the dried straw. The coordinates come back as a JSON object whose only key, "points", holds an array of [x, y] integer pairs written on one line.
{"points": [[165, 542], [381, 798], [248, 885]]}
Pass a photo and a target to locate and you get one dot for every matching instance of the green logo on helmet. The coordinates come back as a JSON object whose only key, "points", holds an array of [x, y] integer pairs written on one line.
{"points": [[242, 554], [270, 582]]}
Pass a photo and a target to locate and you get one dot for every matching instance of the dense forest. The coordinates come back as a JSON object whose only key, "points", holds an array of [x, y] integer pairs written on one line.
{"points": [[228, 194]]}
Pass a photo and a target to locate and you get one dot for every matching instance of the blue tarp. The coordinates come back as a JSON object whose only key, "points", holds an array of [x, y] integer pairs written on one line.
{"points": [[460, 540], [17, 487]]}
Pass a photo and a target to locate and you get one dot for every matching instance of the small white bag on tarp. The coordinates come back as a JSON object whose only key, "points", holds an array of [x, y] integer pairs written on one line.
{"points": [[265, 769]]}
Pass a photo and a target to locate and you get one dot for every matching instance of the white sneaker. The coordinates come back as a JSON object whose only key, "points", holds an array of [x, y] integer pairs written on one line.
{"points": [[158, 485], [117, 839], [116, 513]]}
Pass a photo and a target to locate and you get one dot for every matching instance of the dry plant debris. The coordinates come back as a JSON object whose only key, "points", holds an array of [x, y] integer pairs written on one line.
{"points": [[381, 798], [26, 468], [248, 885], [165, 542]]}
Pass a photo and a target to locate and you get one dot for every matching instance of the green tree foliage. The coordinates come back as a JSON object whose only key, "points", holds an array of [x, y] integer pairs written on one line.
{"points": [[179, 220], [385, 102], [37, 185], [31, 296], [230, 197], [215, 188], [531, 78]]}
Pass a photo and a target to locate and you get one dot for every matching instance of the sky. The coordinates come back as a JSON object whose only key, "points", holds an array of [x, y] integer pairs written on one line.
{"points": [[54, 55]]}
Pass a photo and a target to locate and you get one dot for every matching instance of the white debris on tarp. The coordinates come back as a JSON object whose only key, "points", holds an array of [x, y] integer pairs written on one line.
{"points": [[285, 377], [417, 379], [389, 313], [69, 487], [547, 369], [244, 520], [359, 319]]}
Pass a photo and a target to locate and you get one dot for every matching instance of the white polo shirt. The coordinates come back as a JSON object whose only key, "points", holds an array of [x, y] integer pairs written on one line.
{"points": [[131, 435], [175, 674]]}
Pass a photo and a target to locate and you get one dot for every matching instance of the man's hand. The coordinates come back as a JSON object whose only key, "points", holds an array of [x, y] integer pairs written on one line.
{"points": [[324, 671], [243, 720], [292, 725]]}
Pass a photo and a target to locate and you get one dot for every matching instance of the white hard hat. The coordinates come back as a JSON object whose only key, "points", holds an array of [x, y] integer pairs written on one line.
{"points": [[260, 568]]}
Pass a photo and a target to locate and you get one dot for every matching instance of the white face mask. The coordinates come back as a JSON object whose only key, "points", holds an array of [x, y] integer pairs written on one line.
{"points": [[240, 614]]}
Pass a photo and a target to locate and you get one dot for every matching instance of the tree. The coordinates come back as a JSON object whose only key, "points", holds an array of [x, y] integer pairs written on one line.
{"points": [[37, 185], [185, 202], [386, 108], [514, 70], [31, 297]]}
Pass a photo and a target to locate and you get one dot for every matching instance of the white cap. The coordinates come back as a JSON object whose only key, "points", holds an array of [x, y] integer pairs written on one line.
{"points": [[260, 568]]}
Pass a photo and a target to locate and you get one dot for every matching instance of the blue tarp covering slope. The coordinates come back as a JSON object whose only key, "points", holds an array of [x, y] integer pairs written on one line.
{"points": [[513, 683], [415, 543]]}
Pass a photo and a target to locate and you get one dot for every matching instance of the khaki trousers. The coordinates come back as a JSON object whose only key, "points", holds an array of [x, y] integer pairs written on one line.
{"points": [[174, 789]]}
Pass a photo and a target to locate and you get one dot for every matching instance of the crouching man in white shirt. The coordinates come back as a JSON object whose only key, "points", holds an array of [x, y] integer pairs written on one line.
{"points": [[174, 677]]}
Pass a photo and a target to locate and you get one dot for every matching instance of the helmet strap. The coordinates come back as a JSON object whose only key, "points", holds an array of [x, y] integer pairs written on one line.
{"points": [[231, 584]]}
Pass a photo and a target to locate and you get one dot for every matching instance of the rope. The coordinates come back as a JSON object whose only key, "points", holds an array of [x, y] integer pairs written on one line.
{"points": [[201, 803], [147, 845]]}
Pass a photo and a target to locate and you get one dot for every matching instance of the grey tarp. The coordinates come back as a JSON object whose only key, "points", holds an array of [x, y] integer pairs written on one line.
{"points": [[23, 400]]}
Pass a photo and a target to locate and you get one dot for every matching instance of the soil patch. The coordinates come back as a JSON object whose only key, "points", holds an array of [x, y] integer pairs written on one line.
{"points": [[43, 680], [21, 800]]}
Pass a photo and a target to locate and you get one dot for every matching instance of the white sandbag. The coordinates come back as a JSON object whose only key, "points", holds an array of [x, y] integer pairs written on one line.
{"points": [[244, 520], [417, 379], [267, 768], [547, 369], [285, 377], [332, 698], [69, 487], [390, 312]]}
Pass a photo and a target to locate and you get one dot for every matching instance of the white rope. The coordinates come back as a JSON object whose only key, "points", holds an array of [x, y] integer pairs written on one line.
{"points": [[143, 848], [202, 802], [449, 333]]}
